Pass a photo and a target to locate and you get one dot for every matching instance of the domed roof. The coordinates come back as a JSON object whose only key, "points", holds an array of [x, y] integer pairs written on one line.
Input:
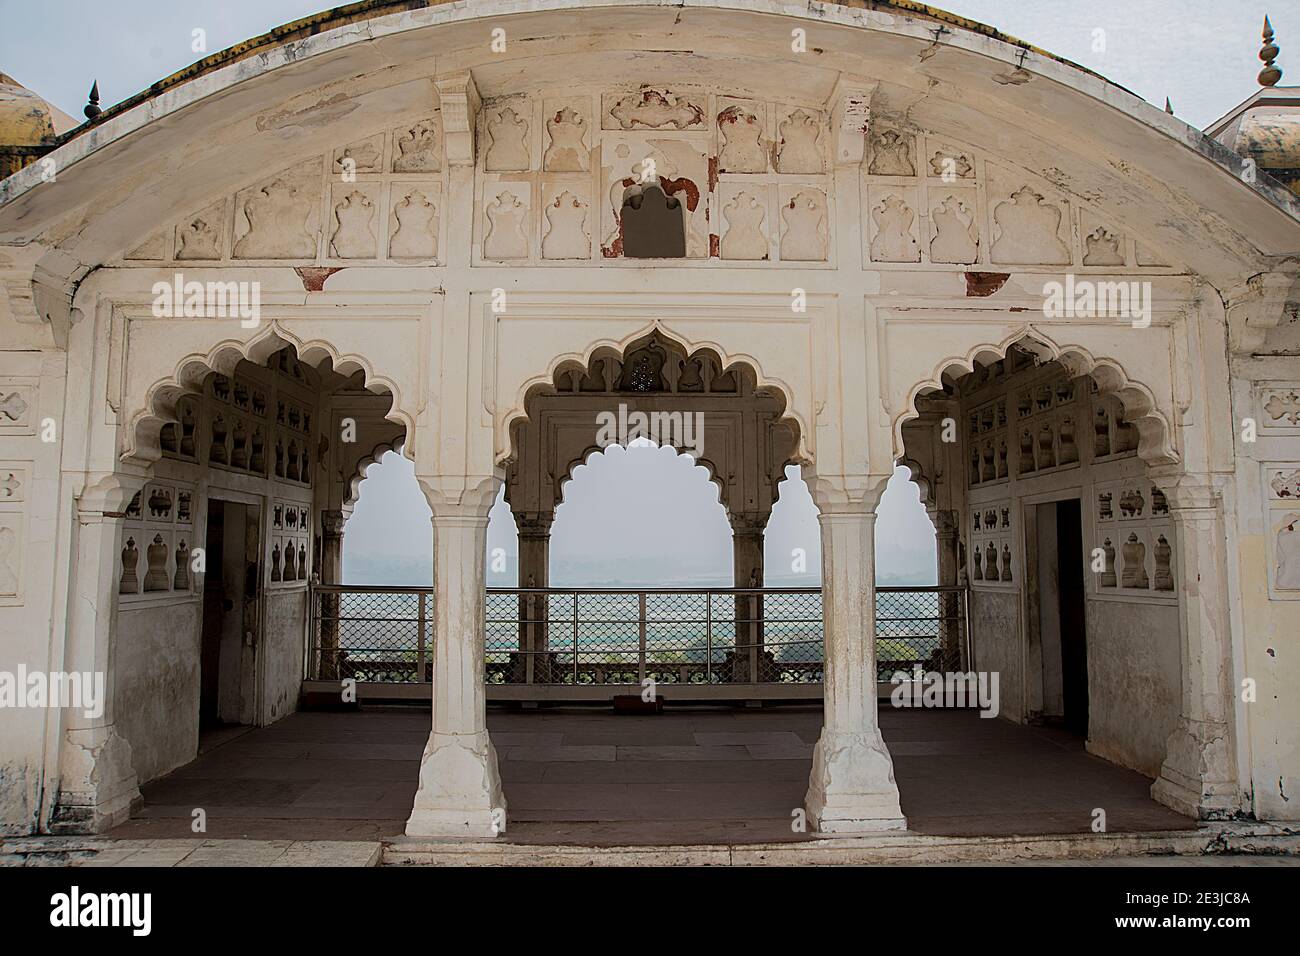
{"points": [[29, 126], [1266, 129], [25, 118]]}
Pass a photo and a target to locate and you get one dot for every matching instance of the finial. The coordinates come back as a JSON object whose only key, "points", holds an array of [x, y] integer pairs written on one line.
{"points": [[92, 108], [1268, 53], [1169, 107]]}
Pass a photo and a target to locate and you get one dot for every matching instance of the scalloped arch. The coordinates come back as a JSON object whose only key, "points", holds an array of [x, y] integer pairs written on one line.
{"points": [[710, 469], [159, 407], [1155, 444], [363, 466], [518, 411]]}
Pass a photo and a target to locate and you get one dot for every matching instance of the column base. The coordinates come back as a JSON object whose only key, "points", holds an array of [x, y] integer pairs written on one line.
{"points": [[1196, 778], [460, 791], [852, 787], [98, 787]]}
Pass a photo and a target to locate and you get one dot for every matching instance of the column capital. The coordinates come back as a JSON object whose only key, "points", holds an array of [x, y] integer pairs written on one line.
{"points": [[332, 522], [847, 494], [534, 524], [748, 522], [1190, 493]]}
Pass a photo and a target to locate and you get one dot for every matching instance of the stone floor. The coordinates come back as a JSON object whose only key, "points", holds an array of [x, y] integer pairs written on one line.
{"points": [[687, 777]]}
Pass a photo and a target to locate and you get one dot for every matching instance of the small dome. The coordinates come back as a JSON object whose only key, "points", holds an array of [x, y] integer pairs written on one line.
{"points": [[1271, 137], [25, 118]]}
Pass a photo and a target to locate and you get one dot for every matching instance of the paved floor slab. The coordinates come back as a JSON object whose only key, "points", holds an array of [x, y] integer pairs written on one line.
{"points": [[693, 776]]}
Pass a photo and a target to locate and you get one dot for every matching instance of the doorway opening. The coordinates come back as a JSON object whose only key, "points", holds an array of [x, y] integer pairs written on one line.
{"points": [[227, 658], [1061, 614]]}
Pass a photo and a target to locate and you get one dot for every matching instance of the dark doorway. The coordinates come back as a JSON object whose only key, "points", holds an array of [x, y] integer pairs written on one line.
{"points": [[226, 678], [1074, 641], [653, 226]]}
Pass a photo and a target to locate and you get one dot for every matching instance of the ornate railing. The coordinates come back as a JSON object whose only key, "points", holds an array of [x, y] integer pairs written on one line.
{"points": [[601, 636]]}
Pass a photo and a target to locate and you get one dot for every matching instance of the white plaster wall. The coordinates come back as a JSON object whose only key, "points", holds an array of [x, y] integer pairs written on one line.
{"points": [[1134, 673], [157, 692], [282, 652]]}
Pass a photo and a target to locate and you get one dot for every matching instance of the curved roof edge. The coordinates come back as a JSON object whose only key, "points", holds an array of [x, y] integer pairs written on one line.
{"points": [[370, 9]]}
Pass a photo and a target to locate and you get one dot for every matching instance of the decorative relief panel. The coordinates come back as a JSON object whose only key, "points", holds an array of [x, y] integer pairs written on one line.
{"points": [[291, 543], [804, 226], [1282, 499], [157, 540], [991, 561], [364, 156], [745, 221], [1280, 407], [505, 228], [1030, 230], [800, 148], [742, 143], [651, 109], [892, 154], [893, 225], [413, 220], [955, 234], [199, 238], [566, 133], [279, 219], [15, 489], [567, 232], [17, 407], [418, 148], [355, 222], [507, 139], [1135, 533]]}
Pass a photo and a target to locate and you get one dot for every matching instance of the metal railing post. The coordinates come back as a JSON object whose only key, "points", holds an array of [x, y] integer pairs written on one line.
{"points": [[640, 657], [420, 649], [575, 638], [708, 637]]}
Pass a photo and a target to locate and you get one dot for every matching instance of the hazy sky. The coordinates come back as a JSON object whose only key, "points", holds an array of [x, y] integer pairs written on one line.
{"points": [[640, 515]]}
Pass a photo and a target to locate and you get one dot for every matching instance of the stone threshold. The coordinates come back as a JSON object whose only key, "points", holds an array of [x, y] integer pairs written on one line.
{"points": [[1209, 839], [93, 851]]}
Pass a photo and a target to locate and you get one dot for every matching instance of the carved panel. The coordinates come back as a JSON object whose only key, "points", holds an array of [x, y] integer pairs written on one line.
{"points": [[506, 148], [1028, 229], [354, 222], [17, 407], [742, 143], [364, 156], [800, 147], [892, 154], [413, 220], [804, 225], [954, 227], [199, 238], [566, 231], [745, 222], [505, 230], [567, 149], [417, 148], [157, 541], [651, 109], [893, 225], [278, 219]]}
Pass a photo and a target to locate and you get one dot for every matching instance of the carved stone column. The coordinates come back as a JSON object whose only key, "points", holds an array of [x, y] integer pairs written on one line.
{"points": [[460, 788], [747, 547], [97, 785], [1198, 776], [947, 530], [534, 572], [331, 572], [851, 789]]}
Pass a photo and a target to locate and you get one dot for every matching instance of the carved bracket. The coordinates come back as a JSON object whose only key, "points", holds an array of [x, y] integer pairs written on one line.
{"points": [[460, 104]]}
